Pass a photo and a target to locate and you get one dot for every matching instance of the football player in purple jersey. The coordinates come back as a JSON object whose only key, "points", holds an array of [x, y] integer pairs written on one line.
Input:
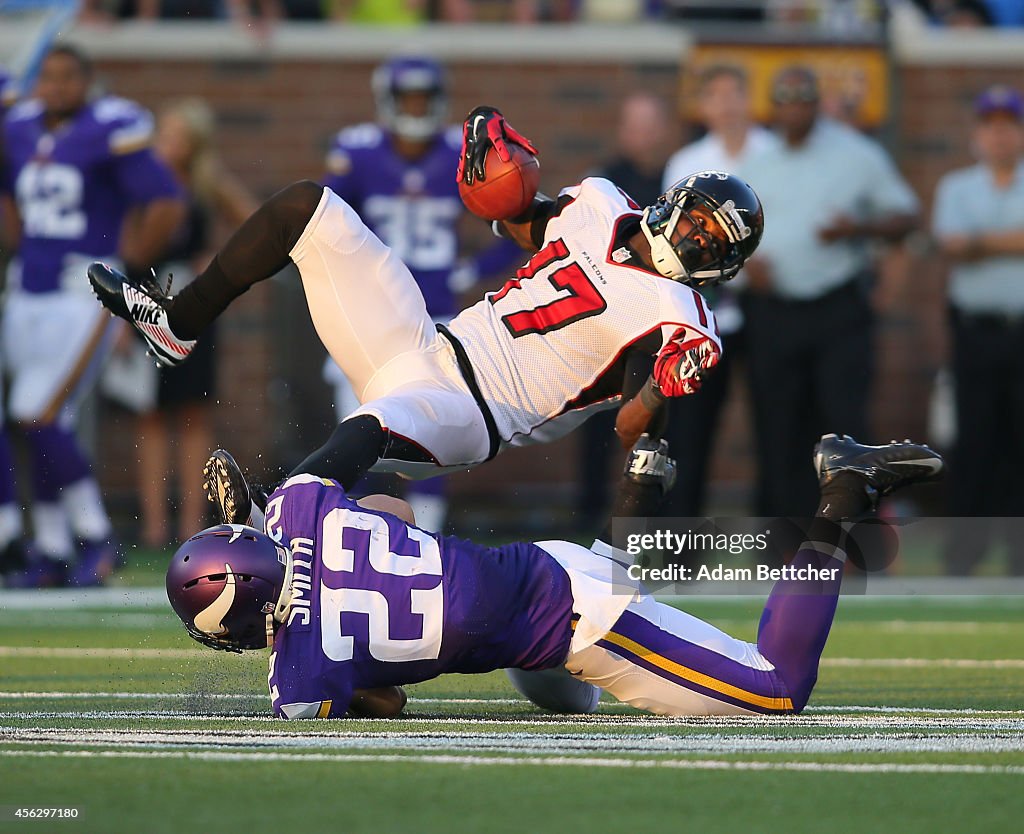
{"points": [[80, 177], [11, 529], [355, 600], [396, 174]]}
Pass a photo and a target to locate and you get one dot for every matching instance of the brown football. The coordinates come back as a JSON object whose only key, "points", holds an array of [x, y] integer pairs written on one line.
{"points": [[508, 188]]}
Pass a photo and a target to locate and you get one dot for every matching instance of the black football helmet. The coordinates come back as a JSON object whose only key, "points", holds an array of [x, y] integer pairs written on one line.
{"points": [[231, 586], [411, 75], [726, 222]]}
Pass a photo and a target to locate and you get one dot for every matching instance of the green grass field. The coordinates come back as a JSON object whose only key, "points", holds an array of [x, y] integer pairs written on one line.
{"points": [[917, 725]]}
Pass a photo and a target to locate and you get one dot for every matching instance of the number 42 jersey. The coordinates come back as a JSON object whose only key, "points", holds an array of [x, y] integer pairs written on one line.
{"points": [[74, 185], [377, 602], [549, 347]]}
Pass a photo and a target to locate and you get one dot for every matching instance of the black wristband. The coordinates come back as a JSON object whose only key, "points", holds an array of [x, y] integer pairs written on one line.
{"points": [[651, 396]]}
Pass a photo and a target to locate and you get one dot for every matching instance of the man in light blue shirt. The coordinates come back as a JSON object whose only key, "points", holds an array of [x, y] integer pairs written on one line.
{"points": [[979, 225], [829, 193]]}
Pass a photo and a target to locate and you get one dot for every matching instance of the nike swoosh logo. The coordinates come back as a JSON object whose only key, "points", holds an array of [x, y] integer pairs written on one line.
{"points": [[928, 463], [477, 121], [210, 619]]}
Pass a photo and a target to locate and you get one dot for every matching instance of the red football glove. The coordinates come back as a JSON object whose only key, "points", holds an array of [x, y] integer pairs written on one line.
{"points": [[483, 129], [680, 365]]}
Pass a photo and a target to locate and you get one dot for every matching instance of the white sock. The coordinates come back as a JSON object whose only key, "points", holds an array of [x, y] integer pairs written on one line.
{"points": [[256, 516], [52, 534], [430, 510], [84, 506], [10, 524]]}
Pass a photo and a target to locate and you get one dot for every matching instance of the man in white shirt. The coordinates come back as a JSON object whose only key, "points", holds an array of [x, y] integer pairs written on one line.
{"points": [[829, 193]]}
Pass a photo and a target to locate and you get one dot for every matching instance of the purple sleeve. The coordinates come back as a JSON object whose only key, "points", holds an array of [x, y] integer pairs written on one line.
{"points": [[296, 690], [143, 178], [6, 186], [340, 175], [498, 259]]}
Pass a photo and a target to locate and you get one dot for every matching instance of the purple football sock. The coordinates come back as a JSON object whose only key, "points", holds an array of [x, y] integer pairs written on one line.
{"points": [[57, 460], [798, 614], [8, 494]]}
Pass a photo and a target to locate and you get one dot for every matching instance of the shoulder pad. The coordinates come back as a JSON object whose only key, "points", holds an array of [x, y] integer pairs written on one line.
{"points": [[25, 110], [605, 197], [128, 126], [453, 137], [360, 136]]}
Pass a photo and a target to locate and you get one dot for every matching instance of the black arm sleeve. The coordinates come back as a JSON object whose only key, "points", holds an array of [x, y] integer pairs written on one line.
{"points": [[639, 366], [257, 251]]}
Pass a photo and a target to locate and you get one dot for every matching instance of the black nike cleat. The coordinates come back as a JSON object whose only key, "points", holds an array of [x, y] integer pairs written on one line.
{"points": [[883, 468], [141, 304]]}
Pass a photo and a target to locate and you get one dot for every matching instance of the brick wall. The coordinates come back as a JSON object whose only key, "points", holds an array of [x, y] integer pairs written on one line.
{"points": [[277, 116]]}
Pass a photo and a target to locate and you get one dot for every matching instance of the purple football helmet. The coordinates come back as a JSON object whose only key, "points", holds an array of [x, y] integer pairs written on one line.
{"points": [[231, 585], [411, 75]]}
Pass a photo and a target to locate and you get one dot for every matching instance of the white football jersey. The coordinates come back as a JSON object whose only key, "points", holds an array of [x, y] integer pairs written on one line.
{"points": [[548, 348]]}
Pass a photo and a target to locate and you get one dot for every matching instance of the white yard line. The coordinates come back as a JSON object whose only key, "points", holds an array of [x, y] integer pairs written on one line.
{"points": [[546, 761], [516, 742], [53, 599], [15, 695], [76, 652], [923, 662], [432, 724], [854, 662]]}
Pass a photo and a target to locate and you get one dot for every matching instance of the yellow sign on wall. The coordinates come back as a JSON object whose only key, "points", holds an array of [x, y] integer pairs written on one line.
{"points": [[854, 79]]}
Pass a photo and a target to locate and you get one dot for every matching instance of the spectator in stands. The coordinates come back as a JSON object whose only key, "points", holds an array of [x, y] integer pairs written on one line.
{"points": [[185, 139], [643, 139], [505, 11], [979, 225], [377, 12], [828, 191], [1006, 12], [960, 13], [723, 101]]}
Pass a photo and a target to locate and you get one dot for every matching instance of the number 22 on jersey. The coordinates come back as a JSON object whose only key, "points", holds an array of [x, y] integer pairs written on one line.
{"points": [[378, 581], [581, 299]]}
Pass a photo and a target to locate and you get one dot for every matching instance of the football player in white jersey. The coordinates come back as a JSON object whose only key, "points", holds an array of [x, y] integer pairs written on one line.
{"points": [[603, 313]]}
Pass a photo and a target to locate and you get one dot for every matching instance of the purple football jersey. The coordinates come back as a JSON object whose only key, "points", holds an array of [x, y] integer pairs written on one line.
{"points": [[74, 185], [414, 207], [378, 602]]}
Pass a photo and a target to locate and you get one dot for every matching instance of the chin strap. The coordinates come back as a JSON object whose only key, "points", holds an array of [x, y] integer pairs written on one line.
{"points": [[666, 261], [284, 601]]}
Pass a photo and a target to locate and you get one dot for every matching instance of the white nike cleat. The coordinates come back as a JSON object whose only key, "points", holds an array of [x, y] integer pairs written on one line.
{"points": [[141, 304]]}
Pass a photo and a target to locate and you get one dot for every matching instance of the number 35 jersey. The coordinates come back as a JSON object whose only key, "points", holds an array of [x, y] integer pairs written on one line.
{"points": [[74, 185], [378, 602], [549, 348]]}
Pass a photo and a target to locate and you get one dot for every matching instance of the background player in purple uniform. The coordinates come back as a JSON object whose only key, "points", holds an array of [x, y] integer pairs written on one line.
{"points": [[78, 171], [397, 175], [11, 531], [354, 599]]}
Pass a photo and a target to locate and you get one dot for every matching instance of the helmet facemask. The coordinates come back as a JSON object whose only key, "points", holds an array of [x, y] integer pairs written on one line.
{"points": [[247, 608], [392, 80]]}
